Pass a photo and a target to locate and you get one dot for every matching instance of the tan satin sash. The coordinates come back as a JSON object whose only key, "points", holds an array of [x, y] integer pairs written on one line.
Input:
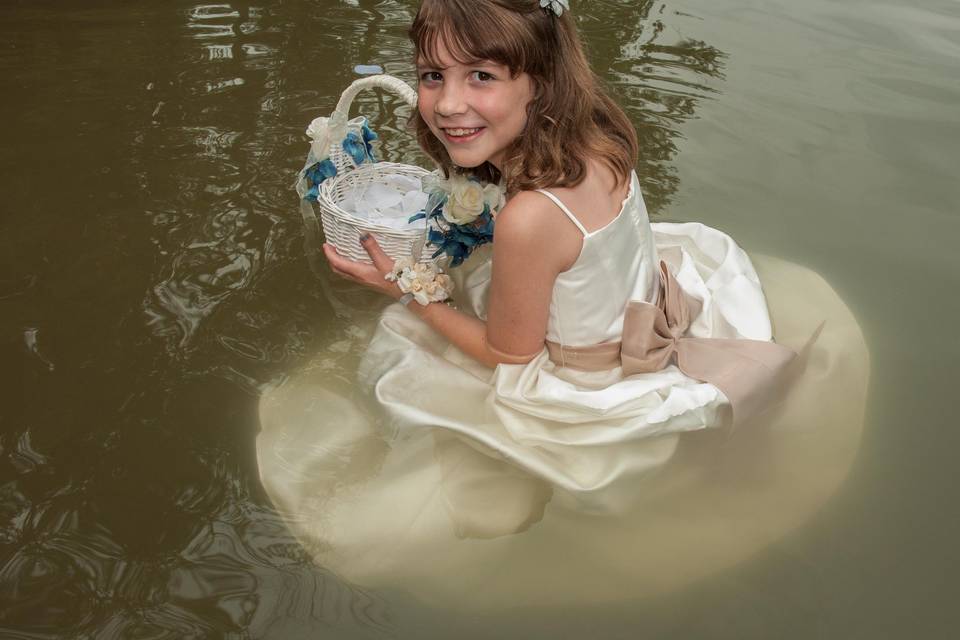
{"points": [[748, 372]]}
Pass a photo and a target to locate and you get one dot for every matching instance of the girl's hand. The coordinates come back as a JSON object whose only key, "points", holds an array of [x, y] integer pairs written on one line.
{"points": [[369, 275]]}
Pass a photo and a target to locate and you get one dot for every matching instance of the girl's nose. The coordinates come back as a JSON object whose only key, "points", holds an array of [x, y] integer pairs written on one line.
{"points": [[452, 101]]}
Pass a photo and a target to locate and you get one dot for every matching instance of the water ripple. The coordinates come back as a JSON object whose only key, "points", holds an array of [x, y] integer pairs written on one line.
{"points": [[145, 520]]}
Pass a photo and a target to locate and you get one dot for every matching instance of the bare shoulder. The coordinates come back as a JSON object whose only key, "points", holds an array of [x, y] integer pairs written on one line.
{"points": [[529, 214], [531, 222], [598, 198]]}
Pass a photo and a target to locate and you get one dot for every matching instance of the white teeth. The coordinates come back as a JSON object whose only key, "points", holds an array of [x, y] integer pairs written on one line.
{"points": [[462, 132]]}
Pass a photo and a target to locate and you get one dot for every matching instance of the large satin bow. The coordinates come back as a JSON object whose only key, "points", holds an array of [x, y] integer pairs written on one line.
{"points": [[748, 372]]}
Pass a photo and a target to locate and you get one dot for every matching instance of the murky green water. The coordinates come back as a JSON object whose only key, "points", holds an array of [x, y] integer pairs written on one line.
{"points": [[153, 283]]}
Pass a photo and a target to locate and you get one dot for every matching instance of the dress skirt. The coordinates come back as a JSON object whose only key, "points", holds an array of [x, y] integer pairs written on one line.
{"points": [[479, 489]]}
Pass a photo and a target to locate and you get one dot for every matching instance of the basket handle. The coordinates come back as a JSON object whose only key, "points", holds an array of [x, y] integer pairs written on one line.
{"points": [[388, 83], [338, 119], [329, 131]]}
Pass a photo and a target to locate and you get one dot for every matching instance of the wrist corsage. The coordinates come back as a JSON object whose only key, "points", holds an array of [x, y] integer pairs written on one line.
{"points": [[426, 282], [459, 213]]}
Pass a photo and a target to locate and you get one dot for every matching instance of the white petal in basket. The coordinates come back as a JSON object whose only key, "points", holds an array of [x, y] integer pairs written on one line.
{"points": [[414, 202], [367, 200], [383, 203]]}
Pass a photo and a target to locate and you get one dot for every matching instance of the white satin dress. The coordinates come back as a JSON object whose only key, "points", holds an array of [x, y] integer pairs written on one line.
{"points": [[396, 482]]}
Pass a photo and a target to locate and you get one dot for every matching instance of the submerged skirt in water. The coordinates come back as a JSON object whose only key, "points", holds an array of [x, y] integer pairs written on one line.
{"points": [[463, 521]]}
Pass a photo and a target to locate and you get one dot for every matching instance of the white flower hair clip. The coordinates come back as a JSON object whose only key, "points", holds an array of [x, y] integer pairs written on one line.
{"points": [[557, 6]]}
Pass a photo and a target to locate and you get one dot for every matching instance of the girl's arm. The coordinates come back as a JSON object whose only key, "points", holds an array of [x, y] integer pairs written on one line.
{"points": [[528, 253]]}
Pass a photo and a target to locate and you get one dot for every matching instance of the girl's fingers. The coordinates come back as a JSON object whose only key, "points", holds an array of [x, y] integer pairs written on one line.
{"points": [[342, 274], [381, 260], [360, 272], [340, 265]]}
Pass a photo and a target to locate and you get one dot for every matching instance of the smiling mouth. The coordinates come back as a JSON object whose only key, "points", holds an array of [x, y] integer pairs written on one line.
{"points": [[462, 134]]}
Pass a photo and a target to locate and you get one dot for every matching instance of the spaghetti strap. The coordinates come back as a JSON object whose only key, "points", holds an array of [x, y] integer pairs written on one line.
{"points": [[563, 208]]}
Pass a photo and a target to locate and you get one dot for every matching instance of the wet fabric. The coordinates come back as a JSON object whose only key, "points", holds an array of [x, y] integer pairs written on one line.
{"points": [[394, 504], [444, 477]]}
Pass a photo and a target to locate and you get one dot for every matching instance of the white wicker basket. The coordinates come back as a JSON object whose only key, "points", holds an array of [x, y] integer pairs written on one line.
{"points": [[342, 229]]}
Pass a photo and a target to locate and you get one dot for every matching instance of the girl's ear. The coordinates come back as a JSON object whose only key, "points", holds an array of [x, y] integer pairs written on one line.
{"points": [[537, 89], [533, 107]]}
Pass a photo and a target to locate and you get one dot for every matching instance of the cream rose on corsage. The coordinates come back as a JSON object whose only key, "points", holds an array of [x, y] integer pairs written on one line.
{"points": [[425, 281], [399, 266], [460, 214], [465, 203], [495, 198], [416, 277]]}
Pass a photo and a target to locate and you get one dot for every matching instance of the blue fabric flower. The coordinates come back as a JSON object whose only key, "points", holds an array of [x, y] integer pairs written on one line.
{"points": [[355, 148], [359, 147], [369, 135], [455, 240], [356, 144], [315, 176]]}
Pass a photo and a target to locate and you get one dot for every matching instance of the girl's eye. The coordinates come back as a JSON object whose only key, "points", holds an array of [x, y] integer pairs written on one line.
{"points": [[431, 76], [483, 76]]}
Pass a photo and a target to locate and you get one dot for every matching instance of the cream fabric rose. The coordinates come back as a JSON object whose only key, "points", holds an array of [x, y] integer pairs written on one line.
{"points": [[408, 281], [319, 132], [424, 281], [465, 203], [424, 271], [327, 131], [422, 296], [494, 197], [399, 266], [445, 282]]}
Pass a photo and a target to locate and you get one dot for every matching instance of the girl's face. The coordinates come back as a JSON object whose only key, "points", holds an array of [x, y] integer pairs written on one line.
{"points": [[475, 110]]}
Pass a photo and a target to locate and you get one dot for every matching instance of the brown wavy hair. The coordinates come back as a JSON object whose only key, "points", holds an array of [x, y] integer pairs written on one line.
{"points": [[570, 118]]}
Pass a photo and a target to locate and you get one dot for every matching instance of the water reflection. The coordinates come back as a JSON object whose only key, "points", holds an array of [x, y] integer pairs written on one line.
{"points": [[662, 74], [174, 290], [213, 11], [218, 252]]}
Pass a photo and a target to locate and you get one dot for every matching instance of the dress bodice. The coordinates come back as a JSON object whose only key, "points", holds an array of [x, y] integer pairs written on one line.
{"points": [[617, 263]]}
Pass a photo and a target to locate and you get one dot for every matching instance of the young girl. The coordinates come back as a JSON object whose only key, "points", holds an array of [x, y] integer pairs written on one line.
{"points": [[504, 90], [575, 356]]}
